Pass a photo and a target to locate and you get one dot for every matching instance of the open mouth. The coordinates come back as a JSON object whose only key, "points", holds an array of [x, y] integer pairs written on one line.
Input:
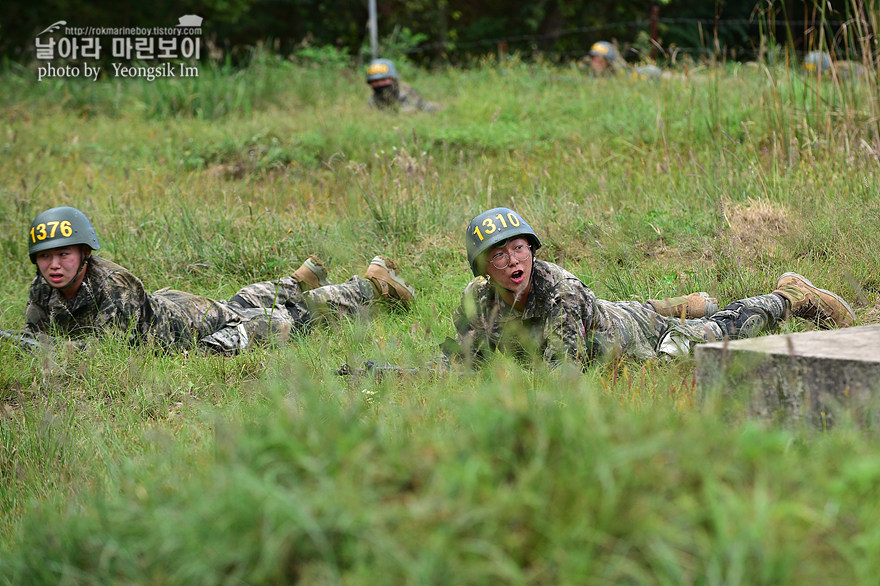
{"points": [[517, 276]]}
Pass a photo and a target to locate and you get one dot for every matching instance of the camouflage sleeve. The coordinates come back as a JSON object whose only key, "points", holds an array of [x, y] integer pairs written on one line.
{"points": [[472, 330], [570, 314], [120, 304], [411, 100], [36, 317]]}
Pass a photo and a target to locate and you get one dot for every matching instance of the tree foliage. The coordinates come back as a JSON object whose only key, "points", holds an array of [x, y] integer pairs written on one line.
{"points": [[447, 30]]}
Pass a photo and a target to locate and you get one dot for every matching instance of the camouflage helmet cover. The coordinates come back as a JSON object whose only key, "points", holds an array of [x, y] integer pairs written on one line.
{"points": [[493, 227], [381, 69], [604, 49], [817, 61], [57, 227]]}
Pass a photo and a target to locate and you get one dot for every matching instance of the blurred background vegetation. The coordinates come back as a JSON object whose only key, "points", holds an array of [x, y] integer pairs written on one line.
{"points": [[453, 31]]}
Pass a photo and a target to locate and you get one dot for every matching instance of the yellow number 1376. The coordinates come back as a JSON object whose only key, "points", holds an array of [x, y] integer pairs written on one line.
{"points": [[48, 230]]}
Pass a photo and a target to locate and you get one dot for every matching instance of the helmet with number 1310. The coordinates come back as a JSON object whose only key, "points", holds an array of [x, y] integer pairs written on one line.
{"points": [[381, 69], [604, 49], [490, 229], [817, 61], [57, 227]]}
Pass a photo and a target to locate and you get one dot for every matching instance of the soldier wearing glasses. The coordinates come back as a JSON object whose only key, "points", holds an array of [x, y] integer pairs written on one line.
{"points": [[527, 306]]}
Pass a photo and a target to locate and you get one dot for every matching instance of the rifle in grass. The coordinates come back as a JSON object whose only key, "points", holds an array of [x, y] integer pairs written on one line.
{"points": [[380, 369], [27, 342]]}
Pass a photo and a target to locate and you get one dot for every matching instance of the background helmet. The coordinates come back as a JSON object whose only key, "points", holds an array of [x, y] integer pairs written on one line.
{"points": [[817, 61], [494, 226], [381, 69], [58, 227], [605, 49]]}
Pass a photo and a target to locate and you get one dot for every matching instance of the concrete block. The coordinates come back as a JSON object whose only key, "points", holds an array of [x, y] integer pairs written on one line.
{"points": [[810, 377]]}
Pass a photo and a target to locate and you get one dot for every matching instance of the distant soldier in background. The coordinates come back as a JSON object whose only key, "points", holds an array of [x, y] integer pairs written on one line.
{"points": [[76, 294], [605, 60], [389, 93], [527, 306], [819, 62]]}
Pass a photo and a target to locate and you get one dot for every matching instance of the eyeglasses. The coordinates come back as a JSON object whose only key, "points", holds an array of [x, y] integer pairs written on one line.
{"points": [[501, 260]]}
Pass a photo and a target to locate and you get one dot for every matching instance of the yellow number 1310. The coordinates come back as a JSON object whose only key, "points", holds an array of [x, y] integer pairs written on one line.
{"points": [[489, 224]]}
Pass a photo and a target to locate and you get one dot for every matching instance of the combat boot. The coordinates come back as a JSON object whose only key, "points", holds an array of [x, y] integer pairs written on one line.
{"points": [[691, 306], [820, 306], [382, 273], [311, 274]]}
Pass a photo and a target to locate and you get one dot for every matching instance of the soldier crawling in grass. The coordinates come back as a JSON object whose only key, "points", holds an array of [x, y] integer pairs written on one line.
{"points": [[524, 305], [389, 93], [605, 61], [820, 64], [77, 294]]}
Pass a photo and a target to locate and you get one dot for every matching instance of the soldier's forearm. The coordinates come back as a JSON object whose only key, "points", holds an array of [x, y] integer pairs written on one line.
{"points": [[25, 340]]}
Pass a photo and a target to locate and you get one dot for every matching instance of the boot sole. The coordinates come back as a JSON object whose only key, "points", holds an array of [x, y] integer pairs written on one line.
{"points": [[849, 310]]}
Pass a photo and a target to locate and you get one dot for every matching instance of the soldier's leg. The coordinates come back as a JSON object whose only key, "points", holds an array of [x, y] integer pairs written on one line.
{"points": [[269, 294], [349, 298], [381, 281], [746, 318], [636, 330], [283, 297], [256, 324], [227, 341], [286, 291], [693, 306]]}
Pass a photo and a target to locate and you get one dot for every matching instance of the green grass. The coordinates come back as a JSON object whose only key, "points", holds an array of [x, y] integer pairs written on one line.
{"points": [[121, 465]]}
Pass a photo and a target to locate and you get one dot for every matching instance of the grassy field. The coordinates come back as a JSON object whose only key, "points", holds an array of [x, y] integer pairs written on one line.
{"points": [[124, 465]]}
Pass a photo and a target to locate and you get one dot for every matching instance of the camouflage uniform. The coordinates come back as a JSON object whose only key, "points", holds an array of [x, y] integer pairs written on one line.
{"points": [[113, 299], [563, 318], [407, 99], [645, 71]]}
